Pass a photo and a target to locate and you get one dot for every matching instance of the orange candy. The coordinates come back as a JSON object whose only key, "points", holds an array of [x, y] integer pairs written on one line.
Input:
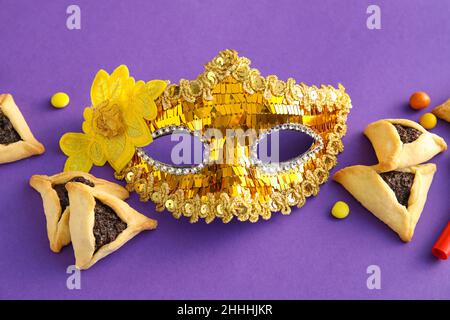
{"points": [[419, 100]]}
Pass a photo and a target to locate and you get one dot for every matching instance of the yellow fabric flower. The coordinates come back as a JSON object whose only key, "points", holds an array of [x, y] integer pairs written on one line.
{"points": [[115, 123]]}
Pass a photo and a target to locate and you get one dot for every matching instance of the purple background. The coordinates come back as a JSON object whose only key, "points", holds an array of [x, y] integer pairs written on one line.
{"points": [[305, 255]]}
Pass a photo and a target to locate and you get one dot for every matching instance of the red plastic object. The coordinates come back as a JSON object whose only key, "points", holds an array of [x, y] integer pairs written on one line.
{"points": [[441, 248]]}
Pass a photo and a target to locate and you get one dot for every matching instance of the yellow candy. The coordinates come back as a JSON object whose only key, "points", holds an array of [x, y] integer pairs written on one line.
{"points": [[340, 210], [428, 120], [60, 100]]}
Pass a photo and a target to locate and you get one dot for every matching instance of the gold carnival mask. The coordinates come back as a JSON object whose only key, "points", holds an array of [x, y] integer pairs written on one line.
{"points": [[127, 115]]}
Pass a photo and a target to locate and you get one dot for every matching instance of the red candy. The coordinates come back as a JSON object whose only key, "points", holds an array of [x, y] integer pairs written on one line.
{"points": [[441, 248]]}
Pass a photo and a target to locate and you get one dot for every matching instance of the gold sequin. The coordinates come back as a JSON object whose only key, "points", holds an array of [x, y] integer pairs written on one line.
{"points": [[129, 177]]}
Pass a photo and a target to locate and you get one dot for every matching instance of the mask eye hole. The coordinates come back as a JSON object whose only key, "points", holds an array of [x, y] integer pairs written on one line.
{"points": [[284, 147], [175, 150]]}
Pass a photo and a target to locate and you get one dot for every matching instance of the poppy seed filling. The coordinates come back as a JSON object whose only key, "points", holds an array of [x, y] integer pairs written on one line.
{"points": [[107, 225], [401, 183], [407, 134], [8, 134], [63, 194]]}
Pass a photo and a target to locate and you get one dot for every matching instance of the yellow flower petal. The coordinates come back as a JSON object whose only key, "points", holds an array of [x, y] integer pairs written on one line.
{"points": [[138, 98], [128, 92], [106, 87], [96, 153], [119, 151], [100, 88], [137, 130], [150, 111], [142, 103], [118, 82], [115, 146], [87, 123], [87, 113], [120, 72], [79, 162], [156, 88], [73, 143]]}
